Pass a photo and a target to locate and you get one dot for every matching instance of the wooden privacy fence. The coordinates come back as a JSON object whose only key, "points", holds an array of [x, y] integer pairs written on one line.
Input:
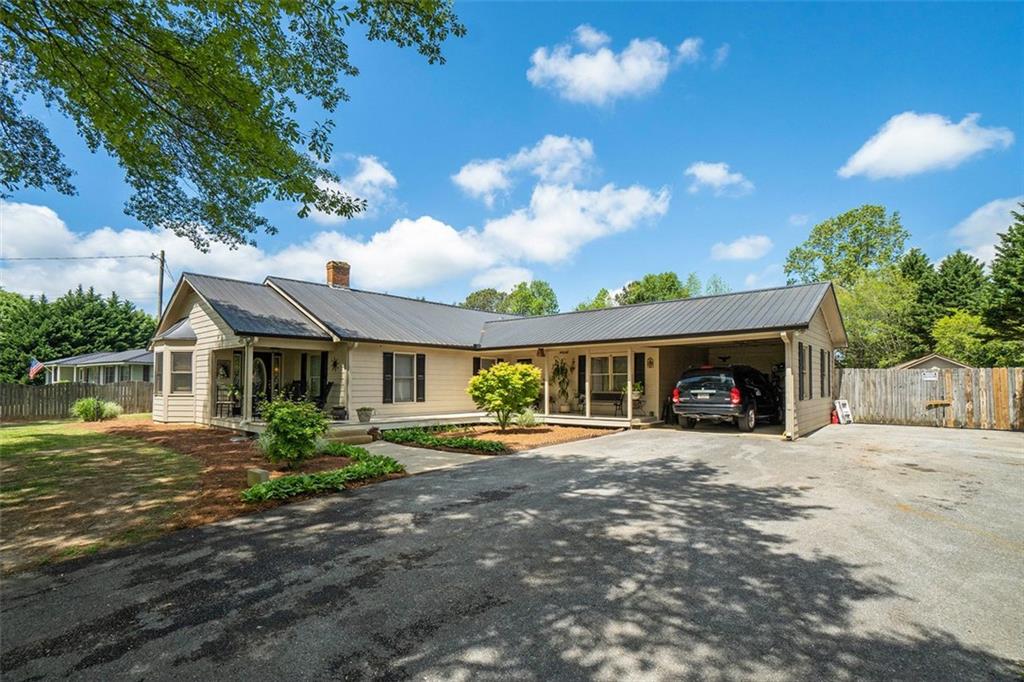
{"points": [[54, 401], [976, 398]]}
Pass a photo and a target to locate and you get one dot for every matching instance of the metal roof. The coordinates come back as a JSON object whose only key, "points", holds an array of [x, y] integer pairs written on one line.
{"points": [[251, 308], [746, 311], [366, 315], [179, 331], [137, 356]]}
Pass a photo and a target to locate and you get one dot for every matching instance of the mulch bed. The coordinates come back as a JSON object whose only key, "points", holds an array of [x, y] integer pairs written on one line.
{"points": [[517, 439], [225, 457]]}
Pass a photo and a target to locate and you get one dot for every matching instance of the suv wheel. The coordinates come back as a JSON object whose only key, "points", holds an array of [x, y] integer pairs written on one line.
{"points": [[749, 419]]}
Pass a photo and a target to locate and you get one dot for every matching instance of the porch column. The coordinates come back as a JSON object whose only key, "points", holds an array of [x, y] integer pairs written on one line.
{"points": [[789, 390], [547, 387], [247, 383], [586, 383], [629, 385]]}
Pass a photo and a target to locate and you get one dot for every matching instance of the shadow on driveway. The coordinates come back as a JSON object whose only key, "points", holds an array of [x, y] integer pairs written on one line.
{"points": [[534, 567]]}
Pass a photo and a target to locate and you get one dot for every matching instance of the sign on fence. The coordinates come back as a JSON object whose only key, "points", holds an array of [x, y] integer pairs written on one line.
{"points": [[977, 398], [54, 401]]}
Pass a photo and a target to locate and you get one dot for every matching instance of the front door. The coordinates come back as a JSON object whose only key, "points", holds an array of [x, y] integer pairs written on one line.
{"points": [[262, 365]]}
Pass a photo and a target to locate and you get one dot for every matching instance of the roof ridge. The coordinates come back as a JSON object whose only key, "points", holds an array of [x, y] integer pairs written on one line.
{"points": [[670, 300], [398, 296], [223, 279]]}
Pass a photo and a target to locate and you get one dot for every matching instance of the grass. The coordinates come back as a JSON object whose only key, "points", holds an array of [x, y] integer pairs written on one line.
{"points": [[67, 491]]}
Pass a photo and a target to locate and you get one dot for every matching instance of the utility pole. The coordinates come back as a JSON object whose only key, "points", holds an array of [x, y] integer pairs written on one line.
{"points": [[160, 286]]}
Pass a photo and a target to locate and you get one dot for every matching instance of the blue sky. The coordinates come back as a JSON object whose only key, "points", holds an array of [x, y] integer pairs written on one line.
{"points": [[764, 106]]}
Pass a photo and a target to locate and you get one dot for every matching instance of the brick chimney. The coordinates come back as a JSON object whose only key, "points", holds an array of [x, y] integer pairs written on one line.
{"points": [[337, 273]]}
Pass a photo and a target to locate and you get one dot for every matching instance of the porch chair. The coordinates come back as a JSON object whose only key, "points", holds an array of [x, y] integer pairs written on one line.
{"points": [[321, 400]]}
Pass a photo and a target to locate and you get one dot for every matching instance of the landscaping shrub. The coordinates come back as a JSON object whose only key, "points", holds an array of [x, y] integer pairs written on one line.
{"points": [[293, 429], [527, 419], [353, 452], [372, 466], [428, 439], [94, 409], [505, 390]]}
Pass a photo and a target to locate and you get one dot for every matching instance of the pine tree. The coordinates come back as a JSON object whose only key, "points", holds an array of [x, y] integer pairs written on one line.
{"points": [[1004, 311], [916, 268], [961, 284]]}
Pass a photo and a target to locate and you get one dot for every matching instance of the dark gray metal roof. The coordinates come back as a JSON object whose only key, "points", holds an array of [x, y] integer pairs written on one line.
{"points": [[251, 308], [366, 315], [137, 356], [761, 310], [179, 331]]}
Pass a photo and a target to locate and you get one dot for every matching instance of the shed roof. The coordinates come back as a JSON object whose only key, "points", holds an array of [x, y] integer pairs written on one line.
{"points": [[137, 356], [746, 311], [371, 316], [251, 308]]}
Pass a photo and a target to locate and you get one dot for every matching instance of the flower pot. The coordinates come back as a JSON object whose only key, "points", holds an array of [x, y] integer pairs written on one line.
{"points": [[637, 395], [364, 415], [564, 409]]}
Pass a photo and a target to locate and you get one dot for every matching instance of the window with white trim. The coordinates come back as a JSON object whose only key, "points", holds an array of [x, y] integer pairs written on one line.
{"points": [[181, 372], [158, 373], [405, 377], [608, 373]]}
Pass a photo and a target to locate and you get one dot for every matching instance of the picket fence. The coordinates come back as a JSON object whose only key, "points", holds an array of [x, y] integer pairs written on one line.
{"points": [[976, 398], [19, 402]]}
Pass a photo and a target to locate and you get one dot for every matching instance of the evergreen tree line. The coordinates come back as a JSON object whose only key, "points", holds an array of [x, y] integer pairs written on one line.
{"points": [[898, 305], [81, 321]]}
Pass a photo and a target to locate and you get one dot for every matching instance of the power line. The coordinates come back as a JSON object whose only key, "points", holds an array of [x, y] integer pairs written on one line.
{"points": [[73, 257]]}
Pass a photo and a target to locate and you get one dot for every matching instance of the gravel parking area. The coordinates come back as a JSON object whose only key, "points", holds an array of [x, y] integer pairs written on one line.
{"points": [[860, 552]]}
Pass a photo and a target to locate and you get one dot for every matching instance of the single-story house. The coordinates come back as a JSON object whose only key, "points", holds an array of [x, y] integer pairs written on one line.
{"points": [[223, 345], [932, 361], [105, 367]]}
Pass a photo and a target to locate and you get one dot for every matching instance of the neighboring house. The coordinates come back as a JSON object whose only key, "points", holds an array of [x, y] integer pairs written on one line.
{"points": [[223, 345], [102, 368], [932, 361]]}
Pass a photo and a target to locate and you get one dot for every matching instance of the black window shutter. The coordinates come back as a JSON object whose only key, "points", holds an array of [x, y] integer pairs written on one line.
{"points": [[476, 365], [304, 375], [639, 362], [800, 367], [821, 370], [421, 377], [810, 372], [323, 374], [581, 369], [389, 378]]}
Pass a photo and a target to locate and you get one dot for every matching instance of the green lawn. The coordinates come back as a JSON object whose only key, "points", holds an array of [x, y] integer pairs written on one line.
{"points": [[66, 491]]}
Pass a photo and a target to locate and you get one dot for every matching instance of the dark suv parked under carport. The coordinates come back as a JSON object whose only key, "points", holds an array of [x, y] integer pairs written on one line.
{"points": [[735, 393]]}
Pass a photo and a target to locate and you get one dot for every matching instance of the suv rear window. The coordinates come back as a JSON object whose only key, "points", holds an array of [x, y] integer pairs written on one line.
{"points": [[707, 379]]}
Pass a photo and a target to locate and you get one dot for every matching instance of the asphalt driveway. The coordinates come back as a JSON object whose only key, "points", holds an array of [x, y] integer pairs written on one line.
{"points": [[859, 552]]}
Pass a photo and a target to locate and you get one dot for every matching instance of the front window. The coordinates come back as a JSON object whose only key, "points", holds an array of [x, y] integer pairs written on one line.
{"points": [[405, 377], [314, 375], [158, 373], [609, 373], [109, 374], [181, 372], [124, 373], [146, 372], [487, 363]]}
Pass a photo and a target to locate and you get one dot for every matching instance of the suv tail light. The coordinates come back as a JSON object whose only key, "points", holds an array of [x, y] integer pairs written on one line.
{"points": [[734, 396], [675, 394]]}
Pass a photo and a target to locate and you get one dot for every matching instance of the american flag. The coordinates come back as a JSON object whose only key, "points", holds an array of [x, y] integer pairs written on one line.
{"points": [[34, 368]]}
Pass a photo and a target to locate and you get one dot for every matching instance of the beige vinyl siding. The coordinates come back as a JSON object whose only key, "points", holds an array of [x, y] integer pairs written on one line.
{"points": [[761, 355], [211, 332], [674, 360], [447, 374], [815, 410]]}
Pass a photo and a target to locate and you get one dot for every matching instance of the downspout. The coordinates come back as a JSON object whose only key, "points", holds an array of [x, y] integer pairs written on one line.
{"points": [[789, 390]]}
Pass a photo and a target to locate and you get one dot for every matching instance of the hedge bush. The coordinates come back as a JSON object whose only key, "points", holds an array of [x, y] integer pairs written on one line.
{"points": [[293, 430], [505, 390], [353, 452], [94, 409], [428, 439], [371, 466]]}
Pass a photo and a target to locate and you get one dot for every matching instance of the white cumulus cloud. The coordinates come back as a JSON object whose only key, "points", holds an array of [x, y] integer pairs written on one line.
{"points": [[978, 233], [769, 276], [689, 51], [721, 56], [911, 143], [555, 159], [750, 247], [561, 219], [371, 180], [502, 278], [717, 177], [595, 74]]}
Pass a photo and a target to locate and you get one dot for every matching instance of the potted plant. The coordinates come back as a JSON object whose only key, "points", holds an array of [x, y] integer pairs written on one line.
{"points": [[364, 414], [638, 390], [561, 372]]}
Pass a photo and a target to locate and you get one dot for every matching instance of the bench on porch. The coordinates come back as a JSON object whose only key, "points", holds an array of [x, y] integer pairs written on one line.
{"points": [[613, 398]]}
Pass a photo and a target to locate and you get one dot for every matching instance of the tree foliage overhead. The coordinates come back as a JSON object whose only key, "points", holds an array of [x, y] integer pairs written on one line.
{"points": [[1004, 311], [877, 310], [602, 299], [662, 286], [488, 299], [195, 99], [843, 247], [526, 298], [961, 283], [78, 322]]}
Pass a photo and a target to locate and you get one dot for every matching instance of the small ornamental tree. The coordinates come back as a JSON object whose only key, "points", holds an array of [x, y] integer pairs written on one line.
{"points": [[293, 429], [505, 390]]}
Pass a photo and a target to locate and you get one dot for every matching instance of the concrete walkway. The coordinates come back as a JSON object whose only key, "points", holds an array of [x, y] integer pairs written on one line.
{"points": [[421, 460]]}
